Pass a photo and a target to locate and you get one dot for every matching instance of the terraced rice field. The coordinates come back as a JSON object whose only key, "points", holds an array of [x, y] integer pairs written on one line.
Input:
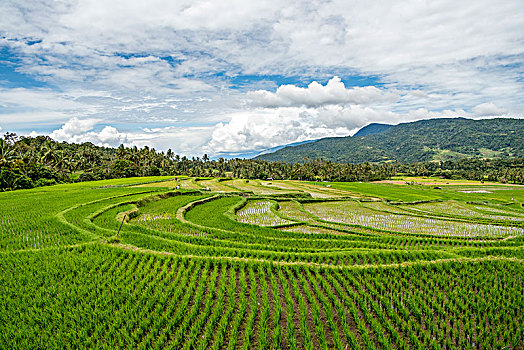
{"points": [[189, 184], [323, 191], [254, 186], [462, 210], [351, 212], [258, 212], [294, 211], [112, 265], [216, 186]]}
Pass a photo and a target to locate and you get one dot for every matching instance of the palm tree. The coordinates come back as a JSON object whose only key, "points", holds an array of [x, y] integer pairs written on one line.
{"points": [[7, 153]]}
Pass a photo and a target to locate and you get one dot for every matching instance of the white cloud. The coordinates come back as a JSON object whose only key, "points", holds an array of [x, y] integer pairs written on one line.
{"points": [[488, 109], [261, 129], [188, 141], [81, 130], [430, 59], [258, 130], [110, 136], [100, 15], [406, 43], [74, 127], [38, 99], [13, 121], [334, 92], [253, 130]]}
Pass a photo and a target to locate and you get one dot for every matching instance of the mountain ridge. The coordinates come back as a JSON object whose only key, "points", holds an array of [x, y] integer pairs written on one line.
{"points": [[373, 128], [423, 140]]}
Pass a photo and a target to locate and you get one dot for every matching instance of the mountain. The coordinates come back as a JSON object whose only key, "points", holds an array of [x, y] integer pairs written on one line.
{"points": [[373, 128], [424, 140], [276, 148], [253, 154]]}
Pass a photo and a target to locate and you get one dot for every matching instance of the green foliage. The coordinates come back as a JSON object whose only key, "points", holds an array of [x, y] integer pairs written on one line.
{"points": [[191, 276], [27, 162], [125, 168], [45, 182], [14, 179]]}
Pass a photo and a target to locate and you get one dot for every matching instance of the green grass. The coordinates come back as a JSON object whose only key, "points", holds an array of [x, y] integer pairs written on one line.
{"points": [[344, 274], [405, 193], [390, 192], [445, 155], [99, 297]]}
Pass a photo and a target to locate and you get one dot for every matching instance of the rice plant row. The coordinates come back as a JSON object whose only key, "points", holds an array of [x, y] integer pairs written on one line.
{"points": [[101, 297], [161, 231], [186, 276], [241, 240]]}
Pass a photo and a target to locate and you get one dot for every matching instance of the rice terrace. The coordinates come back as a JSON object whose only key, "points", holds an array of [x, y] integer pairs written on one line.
{"points": [[222, 263]]}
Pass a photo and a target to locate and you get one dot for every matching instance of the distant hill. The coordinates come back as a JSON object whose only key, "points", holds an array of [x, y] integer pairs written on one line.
{"points": [[373, 128], [424, 140], [276, 148], [253, 154]]}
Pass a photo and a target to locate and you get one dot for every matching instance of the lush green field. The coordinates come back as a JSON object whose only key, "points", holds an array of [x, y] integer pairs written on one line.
{"points": [[134, 263]]}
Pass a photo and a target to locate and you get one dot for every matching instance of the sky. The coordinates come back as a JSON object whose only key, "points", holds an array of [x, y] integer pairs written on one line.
{"points": [[233, 78]]}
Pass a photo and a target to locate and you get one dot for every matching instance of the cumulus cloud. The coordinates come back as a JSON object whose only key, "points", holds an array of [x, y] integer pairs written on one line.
{"points": [[74, 127], [81, 130], [488, 109], [188, 141], [111, 136], [260, 129], [172, 67], [334, 92], [246, 131]]}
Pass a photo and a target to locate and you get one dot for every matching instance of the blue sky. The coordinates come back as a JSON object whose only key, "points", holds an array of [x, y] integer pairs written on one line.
{"points": [[11, 71], [235, 77]]}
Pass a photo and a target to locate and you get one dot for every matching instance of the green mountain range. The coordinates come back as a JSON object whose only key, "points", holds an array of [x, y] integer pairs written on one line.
{"points": [[373, 128], [425, 140]]}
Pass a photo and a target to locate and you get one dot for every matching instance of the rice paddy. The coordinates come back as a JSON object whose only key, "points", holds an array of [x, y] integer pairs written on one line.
{"points": [[258, 212], [351, 212], [288, 265]]}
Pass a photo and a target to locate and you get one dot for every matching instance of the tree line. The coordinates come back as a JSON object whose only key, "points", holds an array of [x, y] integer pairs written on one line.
{"points": [[27, 162]]}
